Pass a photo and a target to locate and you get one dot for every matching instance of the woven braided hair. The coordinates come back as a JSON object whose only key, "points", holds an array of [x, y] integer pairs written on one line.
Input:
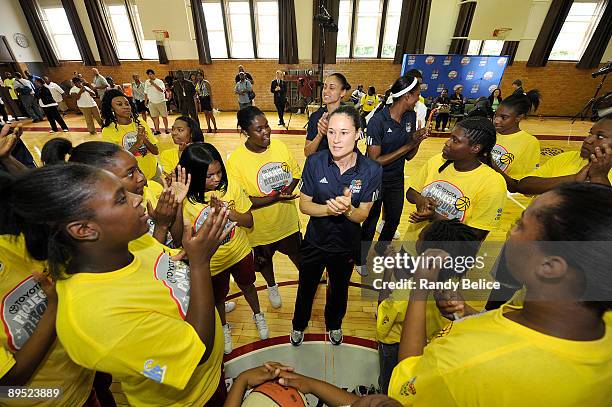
{"points": [[479, 130], [107, 113], [452, 236]]}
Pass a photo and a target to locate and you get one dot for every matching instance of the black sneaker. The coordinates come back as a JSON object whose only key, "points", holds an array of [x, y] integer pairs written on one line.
{"points": [[157, 133], [335, 336]]}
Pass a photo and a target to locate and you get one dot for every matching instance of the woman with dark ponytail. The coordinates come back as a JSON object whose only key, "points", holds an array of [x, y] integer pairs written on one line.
{"points": [[141, 316], [460, 183], [122, 126], [392, 139], [517, 153]]}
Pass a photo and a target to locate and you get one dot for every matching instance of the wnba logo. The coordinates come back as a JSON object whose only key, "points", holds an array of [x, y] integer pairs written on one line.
{"points": [[474, 88], [465, 60], [469, 76], [411, 60], [434, 74], [430, 60], [488, 75], [452, 74], [447, 60], [501, 61]]}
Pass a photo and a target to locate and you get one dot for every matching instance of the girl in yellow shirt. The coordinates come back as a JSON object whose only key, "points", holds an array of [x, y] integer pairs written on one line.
{"points": [[30, 355], [185, 131], [142, 317], [122, 127], [561, 337], [516, 152], [460, 184], [210, 186], [164, 204], [268, 173], [593, 163]]}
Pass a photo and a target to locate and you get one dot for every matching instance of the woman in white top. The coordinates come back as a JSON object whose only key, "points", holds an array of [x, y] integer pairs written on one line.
{"points": [[85, 102]]}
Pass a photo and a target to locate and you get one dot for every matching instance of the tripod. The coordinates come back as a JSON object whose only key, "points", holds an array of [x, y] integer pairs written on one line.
{"points": [[326, 23], [583, 113]]}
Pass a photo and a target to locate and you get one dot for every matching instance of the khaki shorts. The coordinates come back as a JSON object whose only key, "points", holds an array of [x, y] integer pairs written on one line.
{"points": [[158, 109]]}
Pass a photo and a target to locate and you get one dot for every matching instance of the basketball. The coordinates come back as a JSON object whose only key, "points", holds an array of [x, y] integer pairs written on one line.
{"points": [[462, 203], [272, 394], [506, 158]]}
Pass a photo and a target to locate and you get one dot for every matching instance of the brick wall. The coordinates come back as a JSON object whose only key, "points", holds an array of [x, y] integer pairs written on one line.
{"points": [[564, 88]]}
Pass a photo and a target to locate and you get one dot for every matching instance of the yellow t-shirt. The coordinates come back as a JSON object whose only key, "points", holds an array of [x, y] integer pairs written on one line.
{"points": [[489, 360], [261, 175], [23, 304], [476, 197], [368, 103], [125, 136], [130, 323], [236, 246], [9, 84], [147, 241], [568, 163], [392, 312], [151, 193], [517, 154], [169, 159]]}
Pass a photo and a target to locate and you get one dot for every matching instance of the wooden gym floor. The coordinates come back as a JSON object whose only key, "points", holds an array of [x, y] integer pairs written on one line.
{"points": [[555, 135]]}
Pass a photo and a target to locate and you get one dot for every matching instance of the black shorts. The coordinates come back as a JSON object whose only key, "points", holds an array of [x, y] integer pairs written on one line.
{"points": [[289, 246], [205, 103], [140, 106]]}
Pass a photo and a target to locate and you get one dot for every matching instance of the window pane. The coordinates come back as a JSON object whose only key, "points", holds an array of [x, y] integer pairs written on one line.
{"points": [[148, 48], [577, 30], [122, 30], [492, 47], [367, 28], [474, 47], [394, 12], [241, 39], [344, 29], [56, 24], [214, 25], [267, 29]]}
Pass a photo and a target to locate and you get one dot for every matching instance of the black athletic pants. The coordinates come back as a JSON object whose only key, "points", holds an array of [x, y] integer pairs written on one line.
{"points": [[339, 269]]}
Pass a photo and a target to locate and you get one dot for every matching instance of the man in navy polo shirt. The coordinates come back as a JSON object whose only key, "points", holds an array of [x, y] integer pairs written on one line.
{"points": [[392, 140], [339, 187]]}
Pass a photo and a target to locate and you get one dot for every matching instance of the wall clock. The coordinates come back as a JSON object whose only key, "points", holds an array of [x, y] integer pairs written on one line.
{"points": [[21, 40]]}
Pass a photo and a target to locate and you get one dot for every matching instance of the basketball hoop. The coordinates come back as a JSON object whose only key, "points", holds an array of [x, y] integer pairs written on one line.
{"points": [[501, 33], [160, 35]]}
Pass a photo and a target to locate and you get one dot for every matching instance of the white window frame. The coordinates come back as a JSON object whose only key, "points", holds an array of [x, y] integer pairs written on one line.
{"points": [[220, 4], [42, 8], [378, 24], [599, 10], [259, 38]]}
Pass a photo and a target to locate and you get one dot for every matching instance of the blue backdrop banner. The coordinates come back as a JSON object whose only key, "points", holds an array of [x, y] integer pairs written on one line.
{"points": [[478, 74]]}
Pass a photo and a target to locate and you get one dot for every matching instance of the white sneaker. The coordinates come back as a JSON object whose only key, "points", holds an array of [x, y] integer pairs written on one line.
{"points": [[51, 131], [335, 336], [227, 336], [262, 326], [396, 235], [296, 337], [65, 130], [362, 270], [380, 226], [229, 306], [274, 296]]}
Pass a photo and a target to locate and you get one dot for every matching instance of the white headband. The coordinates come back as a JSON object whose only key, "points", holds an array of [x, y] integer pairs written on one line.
{"points": [[406, 90]]}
